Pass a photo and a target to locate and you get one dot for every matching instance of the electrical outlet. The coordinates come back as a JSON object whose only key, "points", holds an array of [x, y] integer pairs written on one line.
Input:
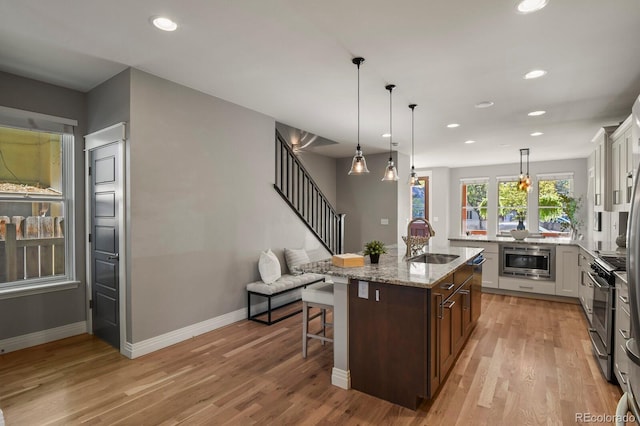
{"points": [[363, 289]]}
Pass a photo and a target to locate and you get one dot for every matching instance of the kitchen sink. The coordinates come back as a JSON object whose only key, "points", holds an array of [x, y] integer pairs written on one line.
{"points": [[434, 258]]}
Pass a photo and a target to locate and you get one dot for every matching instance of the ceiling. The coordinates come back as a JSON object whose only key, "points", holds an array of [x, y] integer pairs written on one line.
{"points": [[291, 60]]}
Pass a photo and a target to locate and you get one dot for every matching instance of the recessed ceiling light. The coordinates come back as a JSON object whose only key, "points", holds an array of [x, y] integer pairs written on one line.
{"points": [[528, 6], [386, 135], [469, 142], [537, 134], [534, 74], [453, 125], [164, 24], [504, 145], [536, 113], [484, 104]]}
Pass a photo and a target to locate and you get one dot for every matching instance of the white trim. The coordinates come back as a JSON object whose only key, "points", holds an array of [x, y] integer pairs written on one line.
{"points": [[25, 115], [478, 180], [555, 176], [113, 134], [341, 378], [512, 178], [24, 290], [135, 350], [44, 336]]}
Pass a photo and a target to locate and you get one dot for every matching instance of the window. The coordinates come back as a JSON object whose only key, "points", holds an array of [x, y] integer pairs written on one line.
{"points": [[420, 199], [512, 205], [474, 206], [35, 221], [552, 219]]}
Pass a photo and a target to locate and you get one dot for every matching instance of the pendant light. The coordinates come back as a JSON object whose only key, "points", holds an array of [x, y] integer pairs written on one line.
{"points": [[524, 182], [413, 177], [358, 164], [390, 173]]}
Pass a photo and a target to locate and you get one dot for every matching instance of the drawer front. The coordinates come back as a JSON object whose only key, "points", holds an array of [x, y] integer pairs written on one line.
{"points": [[528, 286]]}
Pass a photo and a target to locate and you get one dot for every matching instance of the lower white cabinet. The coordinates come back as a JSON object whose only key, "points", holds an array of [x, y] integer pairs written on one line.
{"points": [[567, 271], [585, 287], [528, 286], [490, 267], [622, 331]]}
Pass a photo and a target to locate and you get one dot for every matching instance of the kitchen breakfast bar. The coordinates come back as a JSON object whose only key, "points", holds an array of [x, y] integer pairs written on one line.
{"points": [[399, 325]]}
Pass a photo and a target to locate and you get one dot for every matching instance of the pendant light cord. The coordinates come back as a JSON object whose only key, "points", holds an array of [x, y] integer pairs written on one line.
{"points": [[413, 154], [390, 88]]}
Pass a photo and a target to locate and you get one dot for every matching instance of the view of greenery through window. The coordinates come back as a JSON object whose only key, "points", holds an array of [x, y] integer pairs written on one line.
{"points": [[418, 199], [474, 208], [31, 205], [555, 207]]}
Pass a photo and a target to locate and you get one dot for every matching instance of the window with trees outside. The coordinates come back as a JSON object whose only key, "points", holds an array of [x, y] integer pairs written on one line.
{"points": [[512, 206], [474, 206], [35, 191], [420, 199], [554, 205]]}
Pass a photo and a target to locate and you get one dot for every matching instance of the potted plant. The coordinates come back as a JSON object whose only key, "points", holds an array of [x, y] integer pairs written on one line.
{"points": [[374, 249]]}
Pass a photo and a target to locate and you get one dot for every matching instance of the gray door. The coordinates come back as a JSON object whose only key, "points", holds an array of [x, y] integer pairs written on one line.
{"points": [[105, 172]]}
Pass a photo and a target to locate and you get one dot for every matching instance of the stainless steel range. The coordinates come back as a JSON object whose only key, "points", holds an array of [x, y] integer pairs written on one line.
{"points": [[603, 279]]}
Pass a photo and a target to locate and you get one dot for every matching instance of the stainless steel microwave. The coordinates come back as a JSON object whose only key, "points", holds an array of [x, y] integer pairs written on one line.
{"points": [[527, 261]]}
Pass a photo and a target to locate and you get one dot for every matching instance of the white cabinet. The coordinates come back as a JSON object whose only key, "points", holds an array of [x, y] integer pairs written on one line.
{"points": [[490, 267], [622, 332], [621, 166], [567, 271], [602, 196], [585, 290]]}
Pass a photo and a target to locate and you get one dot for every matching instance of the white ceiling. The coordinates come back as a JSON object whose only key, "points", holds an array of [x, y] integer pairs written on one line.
{"points": [[291, 60]]}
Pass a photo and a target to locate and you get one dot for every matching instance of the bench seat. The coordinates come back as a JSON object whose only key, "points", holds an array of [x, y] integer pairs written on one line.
{"points": [[282, 285]]}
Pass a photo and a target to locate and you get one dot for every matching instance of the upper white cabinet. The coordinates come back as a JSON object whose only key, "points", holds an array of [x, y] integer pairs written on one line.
{"points": [[603, 194], [622, 166]]}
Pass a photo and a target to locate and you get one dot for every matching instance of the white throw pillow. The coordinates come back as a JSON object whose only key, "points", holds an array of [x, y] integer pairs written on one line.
{"points": [[295, 258], [269, 267]]}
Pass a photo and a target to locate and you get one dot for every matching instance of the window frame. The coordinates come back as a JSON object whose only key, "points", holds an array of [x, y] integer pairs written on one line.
{"points": [[527, 206], [548, 177], [18, 119], [464, 206]]}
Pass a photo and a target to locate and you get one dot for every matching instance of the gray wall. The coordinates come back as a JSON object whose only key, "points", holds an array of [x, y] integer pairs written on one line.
{"points": [[323, 171], [198, 218], [23, 315], [577, 166], [366, 200]]}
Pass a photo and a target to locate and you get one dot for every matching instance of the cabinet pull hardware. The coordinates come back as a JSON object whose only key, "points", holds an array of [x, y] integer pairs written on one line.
{"points": [[528, 287], [441, 312], [624, 334], [623, 375], [624, 299], [450, 304], [447, 286]]}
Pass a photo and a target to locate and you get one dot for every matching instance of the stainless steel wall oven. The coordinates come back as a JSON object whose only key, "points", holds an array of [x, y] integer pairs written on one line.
{"points": [[527, 261]]}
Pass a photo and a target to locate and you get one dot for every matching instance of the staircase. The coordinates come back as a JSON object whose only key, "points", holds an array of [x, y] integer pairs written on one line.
{"points": [[296, 186]]}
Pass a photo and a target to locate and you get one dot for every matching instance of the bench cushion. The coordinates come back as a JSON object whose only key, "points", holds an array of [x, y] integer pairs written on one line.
{"points": [[283, 283]]}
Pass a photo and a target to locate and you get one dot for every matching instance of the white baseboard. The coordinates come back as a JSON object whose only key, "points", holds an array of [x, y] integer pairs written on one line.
{"points": [[341, 378], [134, 350], [45, 336]]}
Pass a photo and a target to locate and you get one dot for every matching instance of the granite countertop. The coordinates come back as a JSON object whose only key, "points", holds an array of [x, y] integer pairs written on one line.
{"points": [[394, 269], [594, 248]]}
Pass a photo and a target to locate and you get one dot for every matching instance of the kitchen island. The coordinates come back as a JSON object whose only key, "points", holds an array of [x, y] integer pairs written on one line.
{"points": [[398, 325]]}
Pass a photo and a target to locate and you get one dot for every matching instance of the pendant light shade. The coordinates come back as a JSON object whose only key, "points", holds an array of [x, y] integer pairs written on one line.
{"points": [[358, 164], [413, 177], [390, 172], [524, 182]]}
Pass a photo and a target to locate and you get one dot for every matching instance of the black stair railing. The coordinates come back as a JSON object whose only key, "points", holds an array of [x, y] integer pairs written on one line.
{"points": [[296, 186]]}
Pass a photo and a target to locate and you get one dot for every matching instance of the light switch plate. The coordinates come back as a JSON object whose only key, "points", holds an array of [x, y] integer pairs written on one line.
{"points": [[384, 221], [363, 289]]}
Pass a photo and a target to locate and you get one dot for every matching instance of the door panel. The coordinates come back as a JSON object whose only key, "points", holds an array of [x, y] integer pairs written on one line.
{"points": [[104, 186]]}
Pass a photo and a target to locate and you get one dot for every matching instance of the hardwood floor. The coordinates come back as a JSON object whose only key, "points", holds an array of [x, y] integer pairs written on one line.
{"points": [[527, 362]]}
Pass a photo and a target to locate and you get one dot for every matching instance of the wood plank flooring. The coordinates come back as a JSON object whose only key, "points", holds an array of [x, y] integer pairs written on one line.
{"points": [[527, 362]]}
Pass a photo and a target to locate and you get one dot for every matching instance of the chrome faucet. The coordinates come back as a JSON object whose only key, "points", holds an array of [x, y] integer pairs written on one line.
{"points": [[416, 242]]}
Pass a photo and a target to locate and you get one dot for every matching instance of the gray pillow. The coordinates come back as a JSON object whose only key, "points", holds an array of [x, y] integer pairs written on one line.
{"points": [[295, 258]]}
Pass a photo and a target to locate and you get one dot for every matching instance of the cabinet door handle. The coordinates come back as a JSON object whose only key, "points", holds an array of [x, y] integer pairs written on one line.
{"points": [[624, 334], [623, 376], [447, 286], [467, 299], [528, 287], [450, 304], [624, 299], [441, 310]]}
